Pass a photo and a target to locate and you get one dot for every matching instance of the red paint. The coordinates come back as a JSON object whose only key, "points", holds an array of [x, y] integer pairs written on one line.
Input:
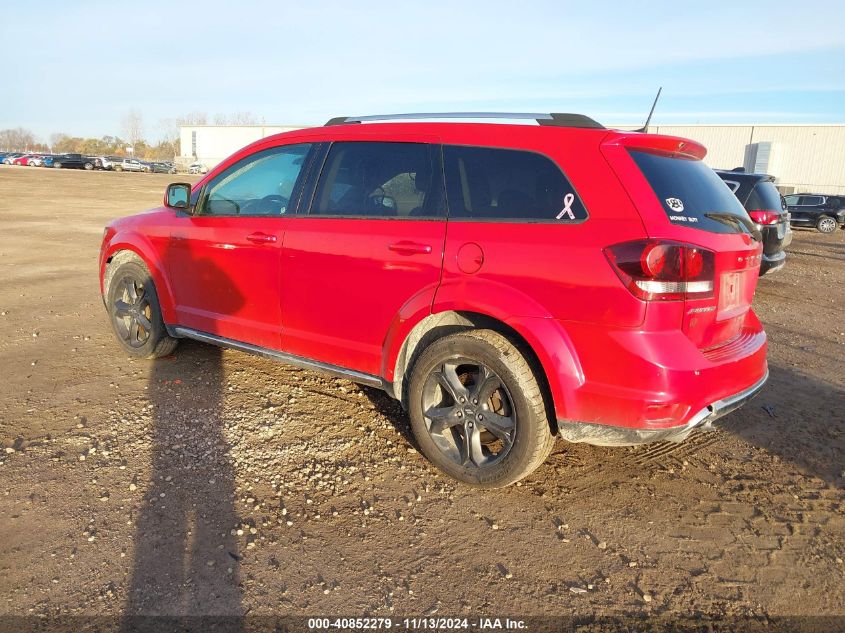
{"points": [[349, 291]]}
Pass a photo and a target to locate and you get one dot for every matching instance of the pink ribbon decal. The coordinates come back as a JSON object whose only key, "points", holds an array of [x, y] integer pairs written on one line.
{"points": [[568, 199]]}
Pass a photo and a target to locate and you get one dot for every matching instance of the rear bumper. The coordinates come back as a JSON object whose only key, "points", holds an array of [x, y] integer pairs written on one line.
{"points": [[654, 384], [605, 435], [771, 263]]}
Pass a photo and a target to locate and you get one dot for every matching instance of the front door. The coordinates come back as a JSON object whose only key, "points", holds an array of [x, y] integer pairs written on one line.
{"points": [[370, 244], [224, 258]]}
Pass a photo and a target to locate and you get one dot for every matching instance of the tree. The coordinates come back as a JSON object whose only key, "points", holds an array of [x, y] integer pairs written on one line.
{"points": [[133, 127], [236, 118], [17, 139]]}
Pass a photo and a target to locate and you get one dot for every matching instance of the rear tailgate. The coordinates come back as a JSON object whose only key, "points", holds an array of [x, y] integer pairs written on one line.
{"points": [[681, 199]]}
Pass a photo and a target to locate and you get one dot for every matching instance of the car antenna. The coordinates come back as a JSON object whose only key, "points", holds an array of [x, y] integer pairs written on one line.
{"points": [[644, 128]]}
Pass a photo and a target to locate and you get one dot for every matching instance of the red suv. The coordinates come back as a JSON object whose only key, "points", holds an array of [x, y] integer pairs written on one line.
{"points": [[506, 282]]}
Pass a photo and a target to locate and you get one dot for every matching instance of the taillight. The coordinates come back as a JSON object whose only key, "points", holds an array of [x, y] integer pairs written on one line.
{"points": [[660, 270], [765, 216]]}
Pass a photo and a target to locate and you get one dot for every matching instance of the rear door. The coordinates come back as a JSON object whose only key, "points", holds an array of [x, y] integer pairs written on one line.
{"points": [[369, 246]]}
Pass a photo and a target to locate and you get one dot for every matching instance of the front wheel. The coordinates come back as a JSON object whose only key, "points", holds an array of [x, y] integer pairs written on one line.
{"points": [[826, 224], [135, 313], [477, 410], [88, 166]]}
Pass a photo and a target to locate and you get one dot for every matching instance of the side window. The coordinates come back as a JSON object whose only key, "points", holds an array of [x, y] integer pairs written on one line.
{"points": [[260, 184], [791, 200], [504, 184], [379, 180]]}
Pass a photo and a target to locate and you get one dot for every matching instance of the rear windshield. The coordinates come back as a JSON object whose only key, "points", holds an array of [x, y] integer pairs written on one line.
{"points": [[692, 194], [764, 197]]}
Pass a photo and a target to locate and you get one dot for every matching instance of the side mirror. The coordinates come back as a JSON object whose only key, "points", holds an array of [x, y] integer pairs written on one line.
{"points": [[178, 195]]}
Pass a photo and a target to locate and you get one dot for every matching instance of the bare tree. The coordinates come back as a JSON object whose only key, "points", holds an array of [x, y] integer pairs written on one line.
{"points": [[192, 118], [237, 118], [133, 127], [17, 139]]}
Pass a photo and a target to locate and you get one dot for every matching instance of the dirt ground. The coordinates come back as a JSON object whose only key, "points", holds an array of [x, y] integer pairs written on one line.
{"points": [[213, 482]]}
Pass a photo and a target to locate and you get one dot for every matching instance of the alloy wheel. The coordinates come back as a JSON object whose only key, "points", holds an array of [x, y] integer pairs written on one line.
{"points": [[827, 225], [469, 413], [132, 312]]}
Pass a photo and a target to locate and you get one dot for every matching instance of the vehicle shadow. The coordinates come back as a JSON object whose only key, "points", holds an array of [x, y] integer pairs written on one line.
{"points": [[800, 419], [796, 417], [185, 572], [392, 411]]}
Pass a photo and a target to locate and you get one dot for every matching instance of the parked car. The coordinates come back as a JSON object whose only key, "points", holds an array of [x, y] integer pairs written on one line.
{"points": [[162, 168], [821, 211], [592, 283], [766, 207], [73, 161], [106, 163], [130, 164], [23, 160], [47, 161], [197, 168], [37, 161], [10, 157]]}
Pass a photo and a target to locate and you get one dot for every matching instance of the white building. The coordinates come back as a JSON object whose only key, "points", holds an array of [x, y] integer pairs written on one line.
{"points": [[210, 144], [803, 158], [809, 158]]}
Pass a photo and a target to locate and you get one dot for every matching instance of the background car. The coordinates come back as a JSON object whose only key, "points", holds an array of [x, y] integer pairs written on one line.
{"points": [[821, 211], [23, 160], [73, 161], [11, 156], [197, 168], [131, 164], [765, 205], [162, 168]]}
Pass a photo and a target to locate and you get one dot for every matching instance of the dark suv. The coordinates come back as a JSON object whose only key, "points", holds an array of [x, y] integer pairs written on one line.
{"points": [[766, 206], [506, 283], [818, 210]]}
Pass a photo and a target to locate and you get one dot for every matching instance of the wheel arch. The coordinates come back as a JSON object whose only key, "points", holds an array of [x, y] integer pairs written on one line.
{"points": [[139, 250], [558, 372]]}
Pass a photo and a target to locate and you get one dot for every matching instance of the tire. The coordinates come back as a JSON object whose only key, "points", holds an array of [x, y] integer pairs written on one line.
{"points": [[136, 316], [826, 224], [118, 168], [57, 165], [88, 166], [488, 442]]}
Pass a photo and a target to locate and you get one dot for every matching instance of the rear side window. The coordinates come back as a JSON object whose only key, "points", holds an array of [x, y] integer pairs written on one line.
{"points": [[692, 194], [810, 201], [485, 183], [764, 197], [379, 180]]}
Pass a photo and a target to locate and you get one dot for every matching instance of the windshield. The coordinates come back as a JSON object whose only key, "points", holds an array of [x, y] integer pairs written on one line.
{"points": [[692, 194]]}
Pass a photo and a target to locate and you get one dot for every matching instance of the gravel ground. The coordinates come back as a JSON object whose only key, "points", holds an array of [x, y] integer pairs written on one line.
{"points": [[213, 482]]}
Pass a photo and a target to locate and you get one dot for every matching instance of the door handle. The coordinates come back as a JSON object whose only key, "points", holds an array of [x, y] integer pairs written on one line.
{"points": [[410, 248], [261, 238]]}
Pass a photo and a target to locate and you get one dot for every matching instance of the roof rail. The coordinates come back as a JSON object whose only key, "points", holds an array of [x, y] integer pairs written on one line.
{"points": [[557, 119]]}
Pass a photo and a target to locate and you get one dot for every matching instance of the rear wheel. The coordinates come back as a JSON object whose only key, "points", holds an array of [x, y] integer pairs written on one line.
{"points": [[477, 410], [118, 168], [135, 313], [88, 166], [57, 165], [826, 224]]}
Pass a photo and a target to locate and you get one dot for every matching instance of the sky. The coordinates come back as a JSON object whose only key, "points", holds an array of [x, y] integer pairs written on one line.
{"points": [[79, 67]]}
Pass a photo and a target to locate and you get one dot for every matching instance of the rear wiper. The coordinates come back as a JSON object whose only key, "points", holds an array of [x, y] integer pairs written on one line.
{"points": [[730, 218]]}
